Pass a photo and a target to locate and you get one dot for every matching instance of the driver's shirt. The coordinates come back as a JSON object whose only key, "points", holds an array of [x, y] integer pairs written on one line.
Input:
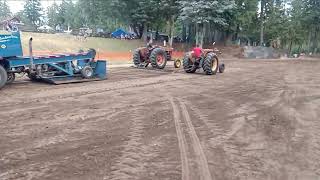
{"points": [[197, 52]]}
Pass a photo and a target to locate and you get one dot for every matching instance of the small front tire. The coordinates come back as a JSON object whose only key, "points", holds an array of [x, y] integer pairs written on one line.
{"points": [[222, 67], [87, 72], [177, 63]]}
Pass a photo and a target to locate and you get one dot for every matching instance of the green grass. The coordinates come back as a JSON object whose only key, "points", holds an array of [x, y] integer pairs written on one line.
{"points": [[69, 43]]}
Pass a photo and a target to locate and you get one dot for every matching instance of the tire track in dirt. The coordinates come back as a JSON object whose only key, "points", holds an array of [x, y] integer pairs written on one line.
{"points": [[72, 92], [64, 135], [218, 133], [225, 154], [299, 100], [131, 163], [181, 141], [202, 160], [185, 152], [216, 137]]}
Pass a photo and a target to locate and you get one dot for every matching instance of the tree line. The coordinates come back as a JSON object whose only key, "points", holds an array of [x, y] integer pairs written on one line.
{"points": [[287, 24]]}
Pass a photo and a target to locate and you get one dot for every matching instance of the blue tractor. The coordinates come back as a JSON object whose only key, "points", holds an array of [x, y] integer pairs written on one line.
{"points": [[56, 69]]}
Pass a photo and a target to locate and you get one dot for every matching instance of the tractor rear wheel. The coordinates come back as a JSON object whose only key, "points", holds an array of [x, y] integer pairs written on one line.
{"points": [[158, 58], [3, 77], [188, 66], [136, 58], [11, 77], [211, 64]]}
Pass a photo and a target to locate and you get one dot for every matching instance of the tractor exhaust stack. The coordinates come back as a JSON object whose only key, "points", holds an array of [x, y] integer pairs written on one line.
{"points": [[31, 55]]}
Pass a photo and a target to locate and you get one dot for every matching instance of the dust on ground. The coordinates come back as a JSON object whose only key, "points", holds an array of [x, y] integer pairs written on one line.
{"points": [[258, 120]]}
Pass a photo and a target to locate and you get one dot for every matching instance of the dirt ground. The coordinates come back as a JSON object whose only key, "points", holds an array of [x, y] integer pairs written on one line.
{"points": [[258, 120]]}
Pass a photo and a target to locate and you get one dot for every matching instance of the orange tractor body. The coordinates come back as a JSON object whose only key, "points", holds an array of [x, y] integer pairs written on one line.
{"points": [[208, 61], [157, 56]]}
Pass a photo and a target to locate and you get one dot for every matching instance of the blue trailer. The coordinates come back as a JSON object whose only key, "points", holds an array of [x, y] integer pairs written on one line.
{"points": [[56, 69]]}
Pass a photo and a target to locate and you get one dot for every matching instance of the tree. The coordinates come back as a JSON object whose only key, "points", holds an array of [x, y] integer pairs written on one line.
{"points": [[32, 11], [66, 13], [244, 20], [141, 14], [311, 18], [53, 15], [93, 13], [5, 12], [305, 21], [276, 18], [262, 19], [170, 12], [204, 12]]}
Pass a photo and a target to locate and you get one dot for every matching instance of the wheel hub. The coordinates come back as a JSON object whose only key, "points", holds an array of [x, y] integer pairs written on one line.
{"points": [[214, 64], [160, 60], [89, 72]]}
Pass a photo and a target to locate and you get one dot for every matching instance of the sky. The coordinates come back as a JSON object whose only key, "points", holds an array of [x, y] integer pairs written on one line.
{"points": [[17, 5]]}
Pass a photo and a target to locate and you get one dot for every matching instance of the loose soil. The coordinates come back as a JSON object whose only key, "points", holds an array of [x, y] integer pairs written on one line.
{"points": [[258, 120]]}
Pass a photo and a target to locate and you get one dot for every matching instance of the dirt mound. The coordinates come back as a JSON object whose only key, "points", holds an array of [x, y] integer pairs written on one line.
{"points": [[231, 52]]}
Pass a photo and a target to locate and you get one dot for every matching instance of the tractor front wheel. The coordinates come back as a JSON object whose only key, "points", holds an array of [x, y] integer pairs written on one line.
{"points": [[177, 63], [158, 58], [211, 64], [222, 67], [10, 78], [3, 77], [87, 72]]}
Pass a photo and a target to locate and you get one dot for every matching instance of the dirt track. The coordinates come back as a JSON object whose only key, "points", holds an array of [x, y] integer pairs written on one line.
{"points": [[258, 120]]}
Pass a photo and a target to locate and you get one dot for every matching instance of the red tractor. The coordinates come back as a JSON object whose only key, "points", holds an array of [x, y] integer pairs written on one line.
{"points": [[157, 56], [209, 62]]}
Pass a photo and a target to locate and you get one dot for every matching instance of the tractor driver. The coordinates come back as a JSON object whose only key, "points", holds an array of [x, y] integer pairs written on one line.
{"points": [[197, 53]]}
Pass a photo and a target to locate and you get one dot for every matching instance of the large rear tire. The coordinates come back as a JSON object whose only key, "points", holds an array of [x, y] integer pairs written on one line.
{"points": [[3, 77], [188, 66], [158, 58], [136, 58], [211, 64]]}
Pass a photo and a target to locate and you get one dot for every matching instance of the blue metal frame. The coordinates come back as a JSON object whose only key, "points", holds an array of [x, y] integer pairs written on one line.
{"points": [[25, 61], [67, 69], [61, 67], [10, 45]]}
